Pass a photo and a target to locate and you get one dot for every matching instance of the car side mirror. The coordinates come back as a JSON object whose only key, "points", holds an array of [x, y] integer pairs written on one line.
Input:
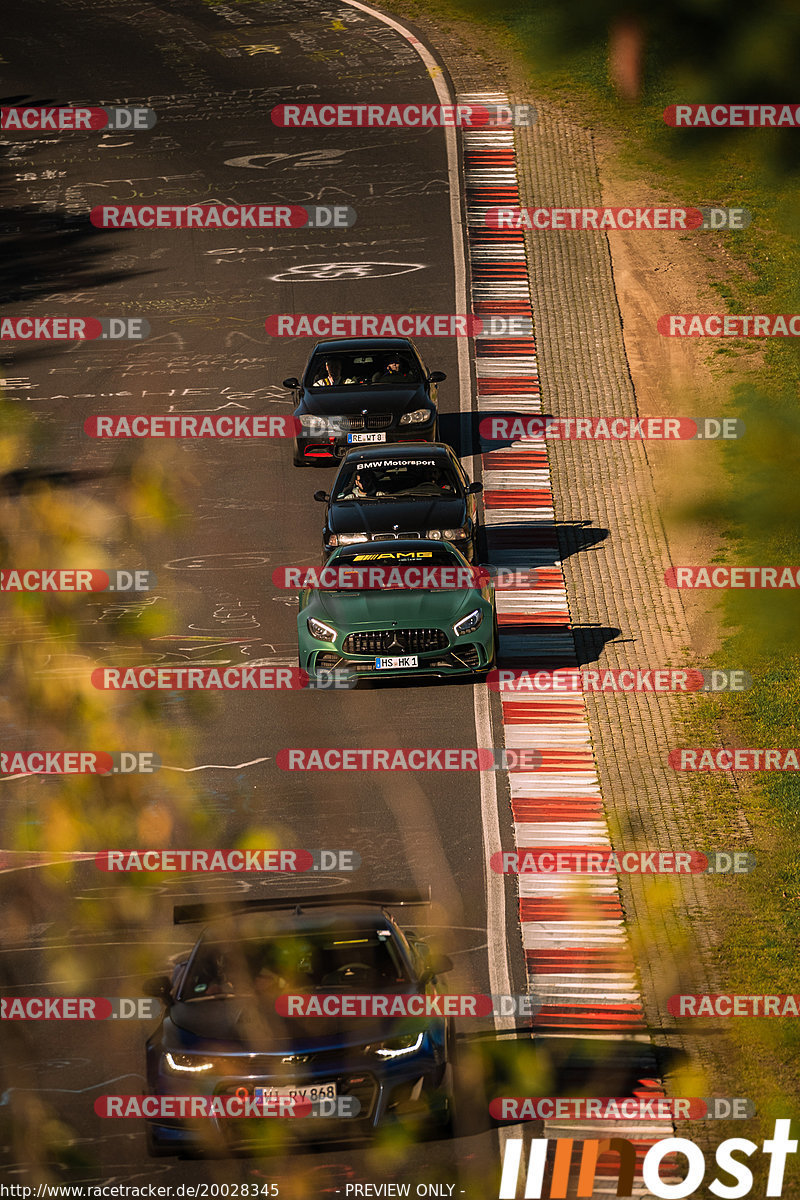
{"points": [[474, 488], [291, 382], [322, 497], [437, 377], [436, 966], [159, 987]]}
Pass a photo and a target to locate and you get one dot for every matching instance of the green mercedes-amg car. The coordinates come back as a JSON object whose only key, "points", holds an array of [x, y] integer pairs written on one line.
{"points": [[423, 611]]}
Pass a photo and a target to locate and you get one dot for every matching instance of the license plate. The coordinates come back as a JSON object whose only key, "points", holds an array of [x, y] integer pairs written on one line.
{"points": [[360, 439], [393, 664], [320, 1091]]}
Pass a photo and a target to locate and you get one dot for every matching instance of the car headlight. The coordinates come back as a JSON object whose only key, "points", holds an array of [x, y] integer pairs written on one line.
{"points": [[318, 424], [187, 1063], [468, 623], [448, 535], [347, 539], [320, 631], [416, 417], [396, 1047]]}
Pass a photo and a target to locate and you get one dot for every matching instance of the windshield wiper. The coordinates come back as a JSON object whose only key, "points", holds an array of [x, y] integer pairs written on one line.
{"points": [[367, 499], [426, 496], [358, 499]]}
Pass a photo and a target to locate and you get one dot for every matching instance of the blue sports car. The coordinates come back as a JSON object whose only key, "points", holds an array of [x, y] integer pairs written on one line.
{"points": [[221, 1034]]}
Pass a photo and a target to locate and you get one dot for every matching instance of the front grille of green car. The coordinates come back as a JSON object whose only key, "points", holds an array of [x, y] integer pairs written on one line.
{"points": [[467, 657], [396, 641]]}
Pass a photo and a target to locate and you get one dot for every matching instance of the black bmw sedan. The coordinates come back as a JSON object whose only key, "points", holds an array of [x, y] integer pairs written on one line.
{"points": [[362, 392], [397, 492]]}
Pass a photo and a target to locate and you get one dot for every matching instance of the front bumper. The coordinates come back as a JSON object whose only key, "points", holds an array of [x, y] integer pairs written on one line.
{"points": [[334, 446], [409, 1092], [464, 656]]}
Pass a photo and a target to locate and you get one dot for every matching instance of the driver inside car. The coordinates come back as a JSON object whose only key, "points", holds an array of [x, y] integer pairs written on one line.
{"points": [[395, 370], [213, 979], [443, 482], [363, 486], [332, 374]]}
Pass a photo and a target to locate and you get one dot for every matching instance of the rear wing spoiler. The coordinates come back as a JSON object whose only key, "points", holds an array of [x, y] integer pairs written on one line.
{"points": [[186, 914]]}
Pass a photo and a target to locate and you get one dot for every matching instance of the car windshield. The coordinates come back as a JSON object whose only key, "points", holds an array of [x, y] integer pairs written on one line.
{"points": [[407, 479], [336, 960], [350, 369]]}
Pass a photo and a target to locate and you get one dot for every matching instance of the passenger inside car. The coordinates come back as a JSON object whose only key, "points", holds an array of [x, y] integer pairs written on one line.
{"points": [[396, 369]]}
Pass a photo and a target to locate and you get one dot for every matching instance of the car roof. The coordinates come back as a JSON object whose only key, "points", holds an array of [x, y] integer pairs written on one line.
{"points": [[397, 451], [374, 343]]}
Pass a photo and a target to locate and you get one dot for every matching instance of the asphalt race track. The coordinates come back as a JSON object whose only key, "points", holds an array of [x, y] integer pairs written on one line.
{"points": [[212, 73]]}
